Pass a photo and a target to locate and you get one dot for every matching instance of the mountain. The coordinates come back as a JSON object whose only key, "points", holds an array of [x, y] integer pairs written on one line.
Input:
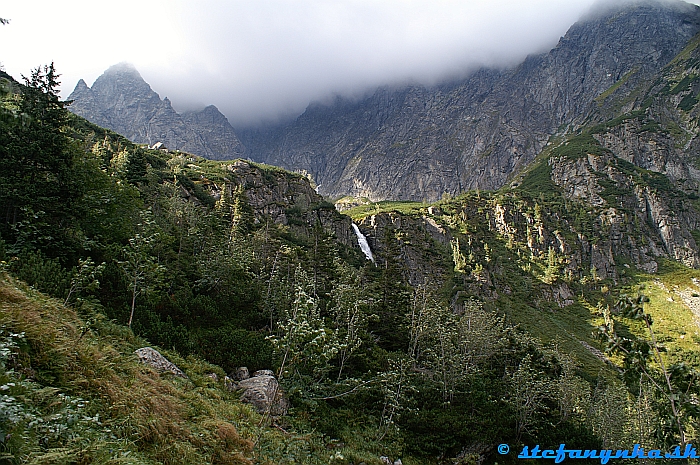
{"points": [[122, 101], [419, 143], [538, 313]]}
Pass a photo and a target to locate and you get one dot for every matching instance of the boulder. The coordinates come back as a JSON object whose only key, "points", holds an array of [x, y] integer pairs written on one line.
{"points": [[264, 393], [154, 359], [239, 374]]}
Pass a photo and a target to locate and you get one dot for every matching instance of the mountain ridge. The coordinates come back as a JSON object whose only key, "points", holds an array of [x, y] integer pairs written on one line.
{"points": [[479, 132], [422, 143], [122, 101], [413, 356]]}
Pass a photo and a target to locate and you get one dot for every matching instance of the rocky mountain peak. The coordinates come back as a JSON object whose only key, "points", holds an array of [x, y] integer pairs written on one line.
{"points": [[121, 100], [125, 73], [81, 92], [123, 68], [209, 115], [123, 82]]}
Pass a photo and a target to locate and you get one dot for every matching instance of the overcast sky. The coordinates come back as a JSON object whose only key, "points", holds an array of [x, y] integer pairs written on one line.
{"points": [[259, 59]]}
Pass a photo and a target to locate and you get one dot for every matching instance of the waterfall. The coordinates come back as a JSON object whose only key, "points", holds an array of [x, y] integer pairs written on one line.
{"points": [[362, 240]]}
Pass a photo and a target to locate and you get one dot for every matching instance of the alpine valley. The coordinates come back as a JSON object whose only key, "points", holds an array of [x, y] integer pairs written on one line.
{"points": [[426, 275]]}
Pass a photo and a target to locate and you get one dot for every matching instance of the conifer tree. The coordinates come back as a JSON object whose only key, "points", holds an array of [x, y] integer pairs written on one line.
{"points": [[39, 186]]}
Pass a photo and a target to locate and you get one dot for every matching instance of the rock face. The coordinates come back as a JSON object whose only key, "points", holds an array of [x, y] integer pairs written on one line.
{"points": [[414, 239], [288, 199], [418, 143], [667, 233], [153, 358], [122, 101], [264, 393], [218, 138]]}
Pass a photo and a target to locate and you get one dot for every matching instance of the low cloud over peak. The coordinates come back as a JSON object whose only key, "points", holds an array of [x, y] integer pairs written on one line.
{"points": [[267, 59]]}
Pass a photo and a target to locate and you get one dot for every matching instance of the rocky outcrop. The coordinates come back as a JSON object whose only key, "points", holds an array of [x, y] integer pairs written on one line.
{"points": [[412, 241], [387, 461], [240, 374], [264, 393], [641, 221], [288, 199], [509, 243], [122, 101], [272, 192], [151, 357]]}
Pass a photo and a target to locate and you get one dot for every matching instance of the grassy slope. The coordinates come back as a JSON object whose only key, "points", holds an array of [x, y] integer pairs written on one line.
{"points": [[72, 391], [146, 417]]}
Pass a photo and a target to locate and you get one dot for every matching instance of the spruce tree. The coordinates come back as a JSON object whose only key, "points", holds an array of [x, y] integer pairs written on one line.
{"points": [[38, 183]]}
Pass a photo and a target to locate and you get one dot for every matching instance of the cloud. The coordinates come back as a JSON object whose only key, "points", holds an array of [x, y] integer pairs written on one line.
{"points": [[263, 59]]}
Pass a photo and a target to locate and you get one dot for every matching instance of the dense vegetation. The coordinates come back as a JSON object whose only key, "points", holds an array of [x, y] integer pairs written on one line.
{"points": [[135, 243]]}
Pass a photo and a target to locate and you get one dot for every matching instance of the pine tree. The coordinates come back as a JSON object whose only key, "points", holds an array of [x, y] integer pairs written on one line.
{"points": [[40, 188]]}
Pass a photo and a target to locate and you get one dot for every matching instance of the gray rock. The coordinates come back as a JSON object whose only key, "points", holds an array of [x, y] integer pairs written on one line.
{"points": [[153, 358], [240, 373], [275, 196], [229, 384], [670, 234], [217, 136], [264, 393]]}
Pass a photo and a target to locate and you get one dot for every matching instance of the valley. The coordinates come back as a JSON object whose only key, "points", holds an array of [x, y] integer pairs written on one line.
{"points": [[427, 273]]}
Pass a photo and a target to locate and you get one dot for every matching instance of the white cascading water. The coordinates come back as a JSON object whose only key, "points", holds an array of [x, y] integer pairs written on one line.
{"points": [[362, 240]]}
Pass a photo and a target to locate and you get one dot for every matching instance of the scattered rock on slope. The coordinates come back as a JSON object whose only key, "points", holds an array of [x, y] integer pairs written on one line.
{"points": [[154, 359]]}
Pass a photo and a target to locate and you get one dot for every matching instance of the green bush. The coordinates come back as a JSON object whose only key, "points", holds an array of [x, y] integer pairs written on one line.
{"points": [[688, 102], [45, 274], [231, 347]]}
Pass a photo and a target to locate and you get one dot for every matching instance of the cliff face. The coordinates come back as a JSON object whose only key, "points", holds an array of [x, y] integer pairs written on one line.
{"points": [[419, 143], [641, 220], [122, 101], [218, 138], [640, 169], [279, 198]]}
